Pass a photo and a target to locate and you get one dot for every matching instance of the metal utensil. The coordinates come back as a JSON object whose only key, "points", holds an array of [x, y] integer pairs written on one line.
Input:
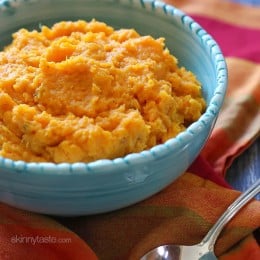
{"points": [[205, 249]]}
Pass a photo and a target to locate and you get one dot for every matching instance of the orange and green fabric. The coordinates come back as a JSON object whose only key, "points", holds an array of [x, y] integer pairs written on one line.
{"points": [[183, 212]]}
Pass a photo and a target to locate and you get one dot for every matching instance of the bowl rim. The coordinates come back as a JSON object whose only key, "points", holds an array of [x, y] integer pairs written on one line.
{"points": [[210, 114]]}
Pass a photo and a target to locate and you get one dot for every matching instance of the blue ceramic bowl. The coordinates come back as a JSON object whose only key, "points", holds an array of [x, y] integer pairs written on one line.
{"points": [[105, 185]]}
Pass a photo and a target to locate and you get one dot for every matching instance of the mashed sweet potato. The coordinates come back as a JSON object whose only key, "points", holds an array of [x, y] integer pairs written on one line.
{"points": [[82, 91]]}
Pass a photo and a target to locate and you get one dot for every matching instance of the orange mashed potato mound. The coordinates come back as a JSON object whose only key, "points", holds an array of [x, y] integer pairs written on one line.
{"points": [[81, 91]]}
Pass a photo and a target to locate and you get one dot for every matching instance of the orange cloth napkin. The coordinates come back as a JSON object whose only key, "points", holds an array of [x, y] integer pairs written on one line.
{"points": [[183, 212]]}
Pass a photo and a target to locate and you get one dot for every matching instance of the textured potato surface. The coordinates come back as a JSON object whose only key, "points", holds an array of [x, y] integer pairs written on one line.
{"points": [[81, 91]]}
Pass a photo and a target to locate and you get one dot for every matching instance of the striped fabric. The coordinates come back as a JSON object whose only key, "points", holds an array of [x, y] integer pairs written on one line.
{"points": [[183, 212]]}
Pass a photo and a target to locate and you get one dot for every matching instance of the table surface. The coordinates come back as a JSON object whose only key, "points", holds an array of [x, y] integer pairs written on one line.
{"points": [[245, 170], [250, 2]]}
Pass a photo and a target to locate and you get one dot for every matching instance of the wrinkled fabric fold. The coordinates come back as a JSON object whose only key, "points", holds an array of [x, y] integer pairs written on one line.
{"points": [[26, 235], [224, 11], [238, 123]]}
